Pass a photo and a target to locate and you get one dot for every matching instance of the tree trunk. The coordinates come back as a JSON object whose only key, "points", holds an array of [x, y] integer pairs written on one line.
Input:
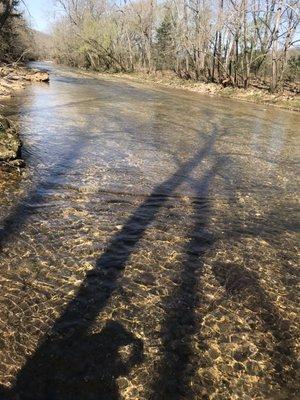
{"points": [[274, 82]]}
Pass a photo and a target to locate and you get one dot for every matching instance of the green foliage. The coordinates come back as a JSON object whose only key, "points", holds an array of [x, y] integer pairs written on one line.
{"points": [[293, 68], [16, 39], [257, 61], [165, 43]]}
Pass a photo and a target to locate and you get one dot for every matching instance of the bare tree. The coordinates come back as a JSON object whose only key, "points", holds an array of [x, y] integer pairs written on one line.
{"points": [[230, 42]]}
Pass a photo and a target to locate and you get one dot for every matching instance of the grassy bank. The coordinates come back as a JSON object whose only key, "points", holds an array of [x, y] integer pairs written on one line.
{"points": [[286, 99]]}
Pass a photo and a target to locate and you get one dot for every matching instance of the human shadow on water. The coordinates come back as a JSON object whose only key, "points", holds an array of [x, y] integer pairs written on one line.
{"points": [[82, 367], [176, 368], [38, 378]]}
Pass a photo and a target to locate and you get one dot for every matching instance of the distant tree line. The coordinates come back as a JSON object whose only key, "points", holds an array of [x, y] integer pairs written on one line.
{"points": [[16, 39], [231, 42]]}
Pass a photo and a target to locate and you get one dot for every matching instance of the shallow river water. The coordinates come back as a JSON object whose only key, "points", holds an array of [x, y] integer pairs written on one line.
{"points": [[149, 250]]}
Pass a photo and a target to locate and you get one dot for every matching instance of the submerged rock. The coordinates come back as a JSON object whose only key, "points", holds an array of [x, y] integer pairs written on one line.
{"points": [[10, 143]]}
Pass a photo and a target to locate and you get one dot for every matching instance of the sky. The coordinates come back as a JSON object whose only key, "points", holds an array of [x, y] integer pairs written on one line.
{"points": [[40, 13]]}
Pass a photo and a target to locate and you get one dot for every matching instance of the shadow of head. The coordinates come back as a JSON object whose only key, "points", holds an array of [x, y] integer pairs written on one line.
{"points": [[79, 366]]}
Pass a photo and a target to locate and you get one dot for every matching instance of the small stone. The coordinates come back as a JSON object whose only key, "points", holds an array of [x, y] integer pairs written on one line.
{"points": [[123, 383], [214, 353], [238, 366]]}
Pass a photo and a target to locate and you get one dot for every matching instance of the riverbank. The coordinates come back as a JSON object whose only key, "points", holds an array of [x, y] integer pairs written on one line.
{"points": [[287, 99], [13, 79]]}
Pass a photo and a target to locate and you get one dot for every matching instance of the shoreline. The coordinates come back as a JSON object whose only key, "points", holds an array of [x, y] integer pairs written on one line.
{"points": [[13, 79], [287, 100]]}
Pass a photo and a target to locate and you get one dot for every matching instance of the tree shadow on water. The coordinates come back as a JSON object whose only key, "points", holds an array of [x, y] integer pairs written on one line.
{"points": [[50, 373], [177, 367], [36, 195], [243, 286]]}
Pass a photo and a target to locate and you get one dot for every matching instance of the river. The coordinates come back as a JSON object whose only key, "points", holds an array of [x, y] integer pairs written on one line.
{"points": [[149, 250]]}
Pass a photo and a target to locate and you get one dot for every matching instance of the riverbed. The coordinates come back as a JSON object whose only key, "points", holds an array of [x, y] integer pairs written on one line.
{"points": [[149, 249]]}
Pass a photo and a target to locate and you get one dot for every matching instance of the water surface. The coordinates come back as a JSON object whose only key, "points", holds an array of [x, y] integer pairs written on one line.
{"points": [[149, 251]]}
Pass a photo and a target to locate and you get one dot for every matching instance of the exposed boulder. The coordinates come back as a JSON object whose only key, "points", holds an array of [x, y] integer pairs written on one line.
{"points": [[15, 78], [24, 74], [7, 86], [35, 75], [10, 143]]}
